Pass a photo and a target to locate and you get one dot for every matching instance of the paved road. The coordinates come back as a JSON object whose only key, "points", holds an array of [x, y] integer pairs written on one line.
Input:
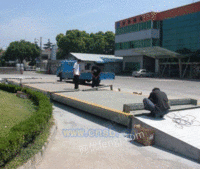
{"points": [[178, 88], [182, 88], [109, 152], [116, 151]]}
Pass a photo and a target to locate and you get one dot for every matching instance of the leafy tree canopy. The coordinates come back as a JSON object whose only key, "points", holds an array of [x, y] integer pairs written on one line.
{"points": [[21, 50], [83, 42], [48, 45]]}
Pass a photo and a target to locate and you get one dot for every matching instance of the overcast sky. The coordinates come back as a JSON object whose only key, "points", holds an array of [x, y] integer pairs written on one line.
{"points": [[30, 19]]}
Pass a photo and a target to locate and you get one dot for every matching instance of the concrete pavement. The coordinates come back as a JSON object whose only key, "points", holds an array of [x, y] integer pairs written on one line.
{"points": [[100, 152], [117, 152]]}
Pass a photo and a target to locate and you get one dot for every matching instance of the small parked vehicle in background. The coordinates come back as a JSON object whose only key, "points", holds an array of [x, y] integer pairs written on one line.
{"points": [[143, 73], [65, 71]]}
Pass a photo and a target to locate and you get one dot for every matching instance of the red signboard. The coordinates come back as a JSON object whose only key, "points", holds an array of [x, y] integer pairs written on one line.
{"points": [[183, 10]]}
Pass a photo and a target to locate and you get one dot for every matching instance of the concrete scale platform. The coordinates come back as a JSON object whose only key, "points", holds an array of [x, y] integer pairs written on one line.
{"points": [[107, 98]]}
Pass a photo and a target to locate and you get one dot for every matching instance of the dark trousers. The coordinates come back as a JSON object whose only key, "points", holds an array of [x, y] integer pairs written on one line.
{"points": [[149, 105], [95, 81], [76, 81]]}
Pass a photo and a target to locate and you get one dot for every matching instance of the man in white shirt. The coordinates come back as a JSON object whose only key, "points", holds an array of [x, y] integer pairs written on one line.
{"points": [[76, 71]]}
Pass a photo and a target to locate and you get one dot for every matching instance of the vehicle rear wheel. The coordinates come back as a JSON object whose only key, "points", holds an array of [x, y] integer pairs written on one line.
{"points": [[82, 81]]}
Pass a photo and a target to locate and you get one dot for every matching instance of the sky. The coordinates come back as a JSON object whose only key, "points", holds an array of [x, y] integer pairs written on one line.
{"points": [[32, 19]]}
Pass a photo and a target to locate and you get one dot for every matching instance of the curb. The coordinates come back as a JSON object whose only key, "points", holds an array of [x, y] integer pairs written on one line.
{"points": [[37, 158]]}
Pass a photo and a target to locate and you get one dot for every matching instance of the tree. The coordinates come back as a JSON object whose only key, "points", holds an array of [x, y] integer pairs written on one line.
{"points": [[2, 60], [48, 45], [82, 42], [99, 43], [21, 50], [110, 43], [61, 54]]}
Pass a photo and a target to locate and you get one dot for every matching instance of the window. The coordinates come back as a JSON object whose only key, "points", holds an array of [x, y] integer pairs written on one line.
{"points": [[141, 18], [129, 21], [87, 66], [149, 25], [156, 42], [156, 25], [131, 44], [123, 23], [120, 46], [134, 20]]}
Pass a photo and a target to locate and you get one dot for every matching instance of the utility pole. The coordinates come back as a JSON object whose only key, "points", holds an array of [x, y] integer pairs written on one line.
{"points": [[41, 43]]}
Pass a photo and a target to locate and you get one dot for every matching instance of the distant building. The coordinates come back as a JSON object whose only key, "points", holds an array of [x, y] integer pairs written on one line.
{"points": [[45, 54], [144, 39], [54, 51]]}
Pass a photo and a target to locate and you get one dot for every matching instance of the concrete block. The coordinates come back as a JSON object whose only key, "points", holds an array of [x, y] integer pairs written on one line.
{"points": [[133, 106], [173, 102], [166, 141]]}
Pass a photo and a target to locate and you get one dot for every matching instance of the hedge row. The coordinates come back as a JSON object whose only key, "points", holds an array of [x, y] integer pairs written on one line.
{"points": [[26, 131]]}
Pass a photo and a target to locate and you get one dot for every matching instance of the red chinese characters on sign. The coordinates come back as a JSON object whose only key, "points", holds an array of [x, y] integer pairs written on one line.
{"points": [[138, 19]]}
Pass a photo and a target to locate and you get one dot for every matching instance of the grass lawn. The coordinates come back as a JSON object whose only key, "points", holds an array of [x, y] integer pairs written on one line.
{"points": [[12, 111]]}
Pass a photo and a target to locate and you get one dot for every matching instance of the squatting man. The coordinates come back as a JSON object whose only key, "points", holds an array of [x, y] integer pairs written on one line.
{"points": [[157, 103]]}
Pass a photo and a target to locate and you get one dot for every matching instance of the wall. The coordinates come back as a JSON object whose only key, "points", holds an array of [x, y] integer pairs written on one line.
{"points": [[115, 67], [9, 70], [125, 52], [52, 66], [133, 60], [182, 32]]}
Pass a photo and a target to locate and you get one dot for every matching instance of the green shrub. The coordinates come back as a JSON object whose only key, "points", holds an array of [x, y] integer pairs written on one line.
{"points": [[26, 131]]}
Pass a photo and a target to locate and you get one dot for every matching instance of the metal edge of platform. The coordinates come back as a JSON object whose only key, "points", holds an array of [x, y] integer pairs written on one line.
{"points": [[171, 143]]}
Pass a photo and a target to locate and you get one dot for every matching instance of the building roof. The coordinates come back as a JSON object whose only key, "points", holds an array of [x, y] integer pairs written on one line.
{"points": [[99, 58], [179, 11], [157, 52]]}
